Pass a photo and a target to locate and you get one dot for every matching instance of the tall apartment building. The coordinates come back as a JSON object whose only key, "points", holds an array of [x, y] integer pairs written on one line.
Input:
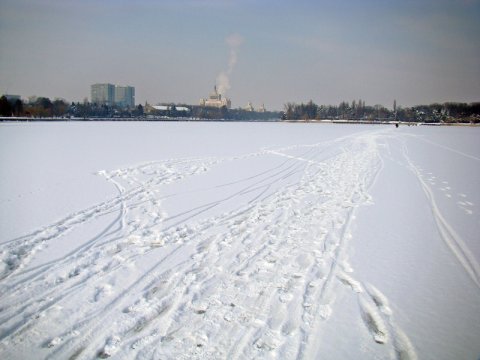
{"points": [[109, 94], [103, 94], [125, 96]]}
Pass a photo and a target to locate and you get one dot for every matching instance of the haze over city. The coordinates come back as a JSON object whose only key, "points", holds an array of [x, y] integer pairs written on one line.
{"points": [[269, 52]]}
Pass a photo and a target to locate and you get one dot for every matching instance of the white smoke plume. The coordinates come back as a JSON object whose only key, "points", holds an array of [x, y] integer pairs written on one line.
{"points": [[234, 41]]}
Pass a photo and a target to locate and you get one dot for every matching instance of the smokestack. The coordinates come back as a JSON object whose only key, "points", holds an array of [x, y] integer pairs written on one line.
{"points": [[234, 41]]}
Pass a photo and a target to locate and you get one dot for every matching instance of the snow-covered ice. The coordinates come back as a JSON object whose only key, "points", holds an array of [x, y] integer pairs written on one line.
{"points": [[239, 241]]}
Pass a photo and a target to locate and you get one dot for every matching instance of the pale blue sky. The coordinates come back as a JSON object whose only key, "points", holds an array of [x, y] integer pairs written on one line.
{"points": [[173, 50]]}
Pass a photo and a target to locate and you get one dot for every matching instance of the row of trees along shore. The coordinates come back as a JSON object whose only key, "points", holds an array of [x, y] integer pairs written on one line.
{"points": [[42, 107], [435, 113]]}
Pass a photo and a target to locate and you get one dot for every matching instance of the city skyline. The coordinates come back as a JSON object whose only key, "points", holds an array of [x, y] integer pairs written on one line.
{"points": [[416, 52]]}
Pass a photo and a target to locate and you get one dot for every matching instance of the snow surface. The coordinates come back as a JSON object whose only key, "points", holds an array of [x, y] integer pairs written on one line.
{"points": [[239, 241]]}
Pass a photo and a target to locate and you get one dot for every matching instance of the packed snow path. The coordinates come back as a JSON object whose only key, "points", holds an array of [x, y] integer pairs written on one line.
{"points": [[252, 268]]}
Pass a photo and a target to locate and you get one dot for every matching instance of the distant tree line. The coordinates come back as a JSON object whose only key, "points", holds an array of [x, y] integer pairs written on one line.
{"points": [[10, 108], [357, 110], [202, 112], [42, 107], [213, 113], [89, 110], [35, 107], [177, 111]]}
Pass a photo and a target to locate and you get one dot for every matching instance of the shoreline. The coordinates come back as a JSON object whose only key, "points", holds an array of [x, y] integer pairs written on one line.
{"points": [[325, 121]]}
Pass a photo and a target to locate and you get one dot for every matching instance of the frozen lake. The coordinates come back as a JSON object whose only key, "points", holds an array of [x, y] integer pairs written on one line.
{"points": [[239, 241]]}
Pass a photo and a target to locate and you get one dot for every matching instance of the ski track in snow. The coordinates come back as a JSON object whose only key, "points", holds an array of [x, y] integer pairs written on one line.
{"points": [[452, 239], [259, 281]]}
